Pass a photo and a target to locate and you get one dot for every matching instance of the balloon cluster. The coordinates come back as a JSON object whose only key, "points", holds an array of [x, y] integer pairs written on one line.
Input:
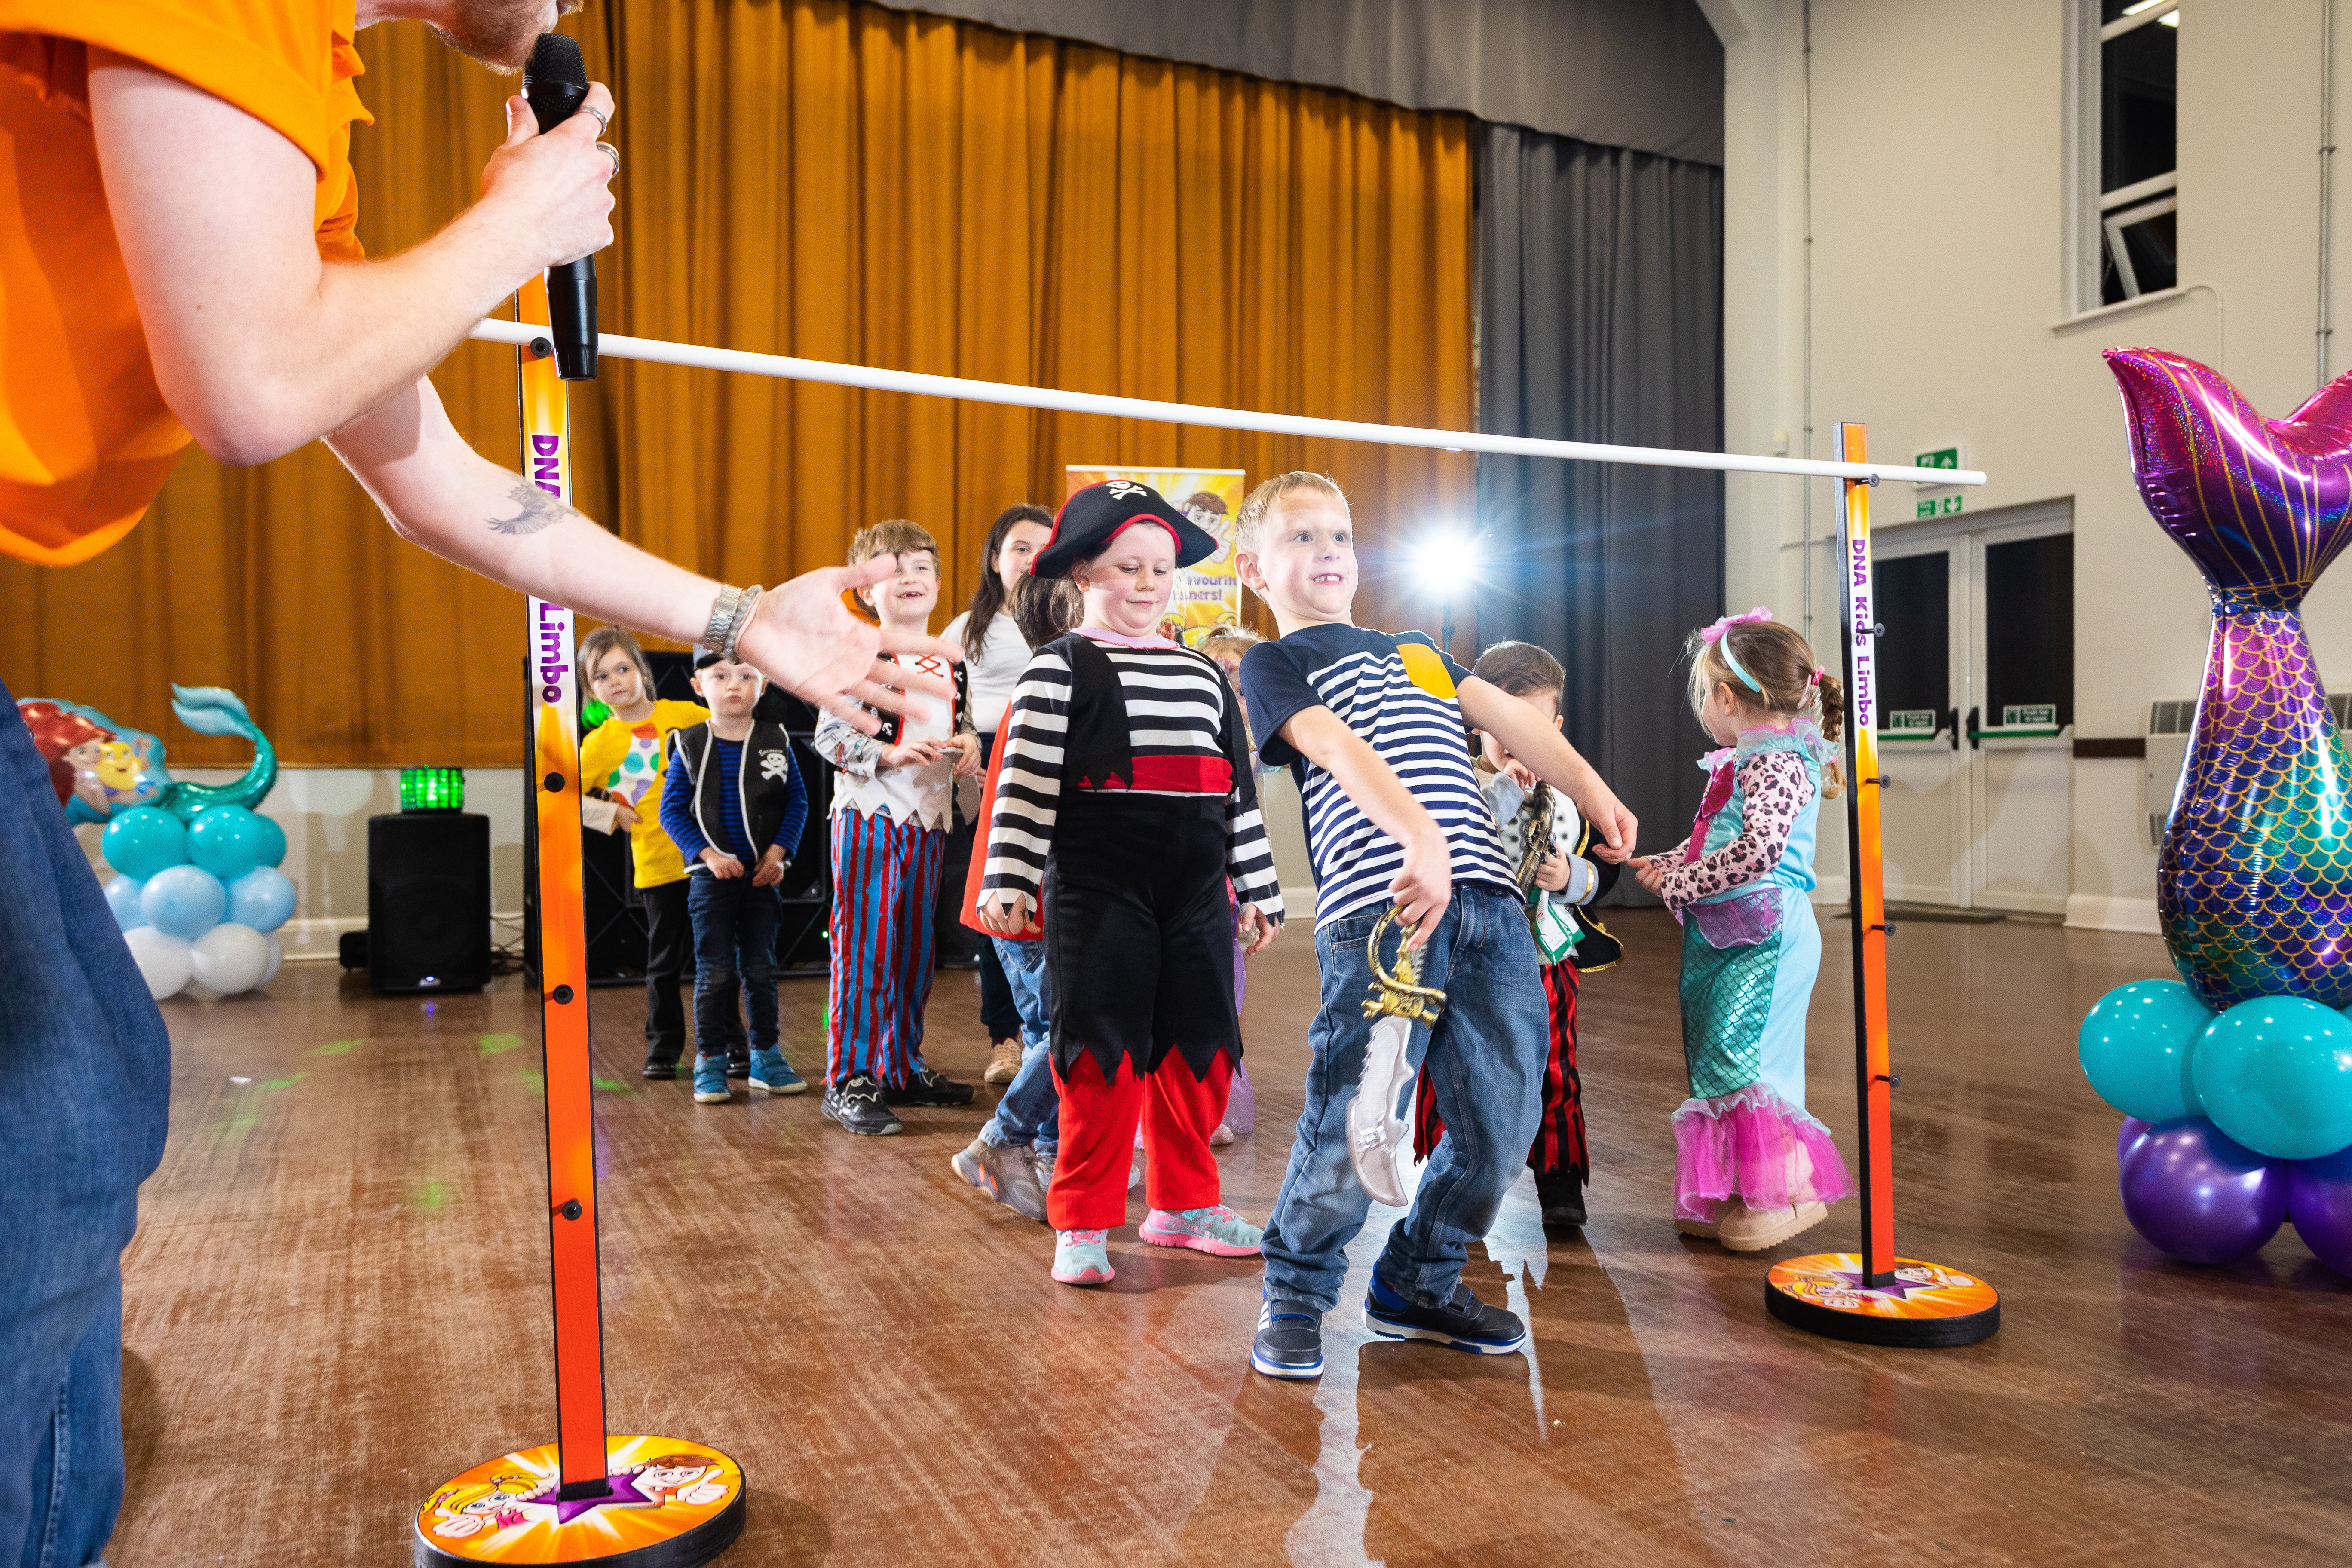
{"points": [[198, 902], [2236, 1122]]}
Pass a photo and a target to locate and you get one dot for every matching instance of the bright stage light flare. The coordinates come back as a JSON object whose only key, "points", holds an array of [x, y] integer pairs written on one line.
{"points": [[1448, 563]]}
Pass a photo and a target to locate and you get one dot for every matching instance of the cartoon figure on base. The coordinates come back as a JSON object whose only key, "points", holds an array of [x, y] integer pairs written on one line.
{"points": [[197, 891], [2236, 1079]]}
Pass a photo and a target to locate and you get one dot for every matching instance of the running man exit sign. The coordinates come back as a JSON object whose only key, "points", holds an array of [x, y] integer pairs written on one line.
{"points": [[1937, 500]]}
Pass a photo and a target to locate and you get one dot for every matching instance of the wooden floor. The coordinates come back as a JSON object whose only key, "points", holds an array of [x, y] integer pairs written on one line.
{"points": [[338, 1297]]}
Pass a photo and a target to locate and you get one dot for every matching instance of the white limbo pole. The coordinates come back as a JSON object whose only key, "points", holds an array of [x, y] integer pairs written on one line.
{"points": [[652, 351]]}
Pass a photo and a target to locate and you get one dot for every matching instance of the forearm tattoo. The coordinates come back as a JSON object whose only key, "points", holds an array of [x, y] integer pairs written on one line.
{"points": [[535, 509]]}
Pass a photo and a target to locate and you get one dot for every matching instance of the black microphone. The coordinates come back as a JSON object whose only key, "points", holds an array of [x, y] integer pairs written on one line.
{"points": [[556, 82]]}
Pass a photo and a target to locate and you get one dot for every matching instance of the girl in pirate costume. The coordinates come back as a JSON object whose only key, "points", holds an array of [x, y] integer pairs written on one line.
{"points": [[1752, 1168], [1125, 803]]}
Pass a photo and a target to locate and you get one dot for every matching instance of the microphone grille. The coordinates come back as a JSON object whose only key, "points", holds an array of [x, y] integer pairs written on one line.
{"points": [[555, 61]]}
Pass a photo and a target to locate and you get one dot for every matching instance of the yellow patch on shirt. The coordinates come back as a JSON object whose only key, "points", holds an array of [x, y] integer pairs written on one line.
{"points": [[1427, 669]]}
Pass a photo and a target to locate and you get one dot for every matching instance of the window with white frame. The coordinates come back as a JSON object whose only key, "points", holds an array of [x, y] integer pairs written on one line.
{"points": [[2127, 181]]}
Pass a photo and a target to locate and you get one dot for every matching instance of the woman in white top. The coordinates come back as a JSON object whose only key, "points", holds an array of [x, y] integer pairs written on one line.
{"points": [[995, 655]]}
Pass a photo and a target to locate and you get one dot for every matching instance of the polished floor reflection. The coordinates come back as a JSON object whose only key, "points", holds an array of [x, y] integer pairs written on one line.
{"points": [[338, 1296]]}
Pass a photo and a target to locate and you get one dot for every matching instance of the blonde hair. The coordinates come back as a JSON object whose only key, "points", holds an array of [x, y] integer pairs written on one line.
{"points": [[1782, 663], [1271, 494], [1240, 640], [605, 640], [895, 536]]}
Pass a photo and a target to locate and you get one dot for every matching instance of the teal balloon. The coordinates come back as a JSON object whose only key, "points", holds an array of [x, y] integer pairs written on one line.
{"points": [[228, 841], [183, 901], [123, 897], [2275, 1075], [2136, 1044], [143, 841], [263, 899]]}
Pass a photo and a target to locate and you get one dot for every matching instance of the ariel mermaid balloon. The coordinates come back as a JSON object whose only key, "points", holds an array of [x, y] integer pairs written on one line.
{"points": [[2254, 878]]}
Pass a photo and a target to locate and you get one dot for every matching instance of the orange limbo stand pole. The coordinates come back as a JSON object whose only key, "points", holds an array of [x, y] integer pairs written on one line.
{"points": [[588, 1496], [1872, 1297]]}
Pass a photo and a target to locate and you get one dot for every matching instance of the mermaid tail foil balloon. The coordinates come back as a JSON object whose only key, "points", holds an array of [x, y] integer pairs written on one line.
{"points": [[2254, 878]]}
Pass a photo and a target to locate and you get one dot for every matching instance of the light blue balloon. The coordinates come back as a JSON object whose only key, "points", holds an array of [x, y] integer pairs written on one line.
{"points": [[144, 840], [228, 841], [263, 899], [2275, 1074], [2136, 1045], [183, 901], [123, 897]]}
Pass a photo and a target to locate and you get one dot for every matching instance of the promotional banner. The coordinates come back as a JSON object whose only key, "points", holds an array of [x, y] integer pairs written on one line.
{"points": [[1207, 594]]}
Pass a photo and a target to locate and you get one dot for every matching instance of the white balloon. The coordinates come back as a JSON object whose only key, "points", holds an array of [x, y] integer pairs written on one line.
{"points": [[276, 959], [230, 958], [165, 962]]}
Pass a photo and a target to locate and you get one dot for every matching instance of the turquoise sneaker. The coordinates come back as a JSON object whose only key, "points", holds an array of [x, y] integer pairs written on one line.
{"points": [[770, 1074], [1081, 1258], [710, 1080], [1216, 1230]]}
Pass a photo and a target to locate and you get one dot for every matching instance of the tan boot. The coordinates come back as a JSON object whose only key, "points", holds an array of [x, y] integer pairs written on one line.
{"points": [[1004, 1064], [1753, 1230], [1702, 1228]]}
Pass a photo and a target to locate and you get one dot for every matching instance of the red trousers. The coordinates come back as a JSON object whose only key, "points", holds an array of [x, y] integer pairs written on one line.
{"points": [[1178, 1113]]}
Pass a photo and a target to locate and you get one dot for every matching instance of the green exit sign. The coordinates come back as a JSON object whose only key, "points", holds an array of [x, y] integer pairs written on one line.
{"points": [[2029, 713], [1941, 458], [1932, 498], [1937, 506]]}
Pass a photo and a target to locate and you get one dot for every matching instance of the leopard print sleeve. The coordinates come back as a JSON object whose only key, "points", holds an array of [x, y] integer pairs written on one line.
{"points": [[1773, 789]]}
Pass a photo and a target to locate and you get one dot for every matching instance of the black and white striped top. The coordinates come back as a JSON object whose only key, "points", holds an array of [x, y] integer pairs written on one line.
{"points": [[1396, 691], [1176, 715]]}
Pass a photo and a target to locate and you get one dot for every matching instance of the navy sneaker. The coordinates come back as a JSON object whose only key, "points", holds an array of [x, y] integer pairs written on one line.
{"points": [[1464, 1322], [1289, 1340]]}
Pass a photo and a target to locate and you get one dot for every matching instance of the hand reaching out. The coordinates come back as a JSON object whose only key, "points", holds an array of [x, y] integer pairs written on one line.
{"points": [[1649, 873], [806, 640]]}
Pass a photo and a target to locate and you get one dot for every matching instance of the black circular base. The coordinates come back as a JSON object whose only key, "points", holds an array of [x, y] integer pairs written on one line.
{"points": [[671, 1503], [1927, 1306]]}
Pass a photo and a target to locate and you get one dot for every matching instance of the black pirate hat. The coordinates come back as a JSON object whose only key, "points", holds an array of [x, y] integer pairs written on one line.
{"points": [[1093, 517]]}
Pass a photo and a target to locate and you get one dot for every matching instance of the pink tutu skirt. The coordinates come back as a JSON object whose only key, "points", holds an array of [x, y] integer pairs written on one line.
{"points": [[1754, 1146]]}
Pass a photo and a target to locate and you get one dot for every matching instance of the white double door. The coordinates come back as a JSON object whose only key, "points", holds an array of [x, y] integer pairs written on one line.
{"points": [[1977, 709]]}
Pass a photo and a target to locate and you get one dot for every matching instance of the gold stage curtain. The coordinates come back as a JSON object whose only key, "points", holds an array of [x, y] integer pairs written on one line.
{"points": [[839, 182]]}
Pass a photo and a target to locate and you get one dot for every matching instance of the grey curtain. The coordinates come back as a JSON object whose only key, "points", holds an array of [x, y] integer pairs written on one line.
{"points": [[1646, 74], [1600, 319]]}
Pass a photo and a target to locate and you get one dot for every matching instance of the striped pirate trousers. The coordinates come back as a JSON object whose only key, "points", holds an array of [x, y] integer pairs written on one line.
{"points": [[886, 878]]}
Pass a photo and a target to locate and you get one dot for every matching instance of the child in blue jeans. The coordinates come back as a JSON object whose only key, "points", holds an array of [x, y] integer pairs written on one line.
{"points": [[734, 805], [1373, 727]]}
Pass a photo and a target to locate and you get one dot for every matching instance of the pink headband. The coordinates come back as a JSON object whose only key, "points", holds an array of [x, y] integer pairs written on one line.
{"points": [[1716, 634]]}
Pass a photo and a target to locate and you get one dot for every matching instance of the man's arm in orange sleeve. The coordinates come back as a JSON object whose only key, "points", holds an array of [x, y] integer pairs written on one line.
{"points": [[259, 344]]}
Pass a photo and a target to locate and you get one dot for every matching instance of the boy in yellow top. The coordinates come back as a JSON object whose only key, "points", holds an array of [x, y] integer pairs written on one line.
{"points": [[624, 757]]}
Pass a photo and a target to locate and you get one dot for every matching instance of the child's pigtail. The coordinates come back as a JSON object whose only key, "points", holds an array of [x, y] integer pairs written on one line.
{"points": [[1832, 720]]}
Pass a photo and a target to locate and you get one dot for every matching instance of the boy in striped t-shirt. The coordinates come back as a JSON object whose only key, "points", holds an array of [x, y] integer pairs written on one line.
{"points": [[1373, 725]]}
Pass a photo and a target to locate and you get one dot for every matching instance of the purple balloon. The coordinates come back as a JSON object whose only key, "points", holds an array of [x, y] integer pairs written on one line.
{"points": [[2129, 1134], [2200, 1197], [2319, 1197]]}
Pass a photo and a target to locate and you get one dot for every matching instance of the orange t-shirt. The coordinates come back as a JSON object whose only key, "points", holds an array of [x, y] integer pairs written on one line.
{"points": [[86, 440]]}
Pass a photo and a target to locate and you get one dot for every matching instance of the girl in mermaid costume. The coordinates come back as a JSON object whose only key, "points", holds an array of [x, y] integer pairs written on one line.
{"points": [[1751, 1167]]}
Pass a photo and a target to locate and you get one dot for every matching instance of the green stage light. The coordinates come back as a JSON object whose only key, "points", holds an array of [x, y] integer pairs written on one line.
{"points": [[432, 789]]}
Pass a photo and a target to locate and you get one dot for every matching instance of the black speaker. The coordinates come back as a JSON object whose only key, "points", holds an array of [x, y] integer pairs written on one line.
{"points": [[428, 901]]}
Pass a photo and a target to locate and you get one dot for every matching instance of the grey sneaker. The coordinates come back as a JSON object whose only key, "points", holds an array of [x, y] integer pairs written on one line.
{"points": [[1008, 1176]]}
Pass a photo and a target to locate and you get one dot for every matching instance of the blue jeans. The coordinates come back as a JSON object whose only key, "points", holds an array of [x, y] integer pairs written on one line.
{"points": [[1486, 1064], [85, 1084], [734, 937], [1031, 1110]]}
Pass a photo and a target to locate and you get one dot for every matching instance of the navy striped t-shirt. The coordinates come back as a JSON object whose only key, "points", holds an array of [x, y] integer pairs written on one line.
{"points": [[1395, 691]]}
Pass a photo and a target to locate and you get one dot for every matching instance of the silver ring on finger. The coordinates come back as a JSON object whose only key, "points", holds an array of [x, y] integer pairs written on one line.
{"points": [[603, 121], [612, 152]]}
